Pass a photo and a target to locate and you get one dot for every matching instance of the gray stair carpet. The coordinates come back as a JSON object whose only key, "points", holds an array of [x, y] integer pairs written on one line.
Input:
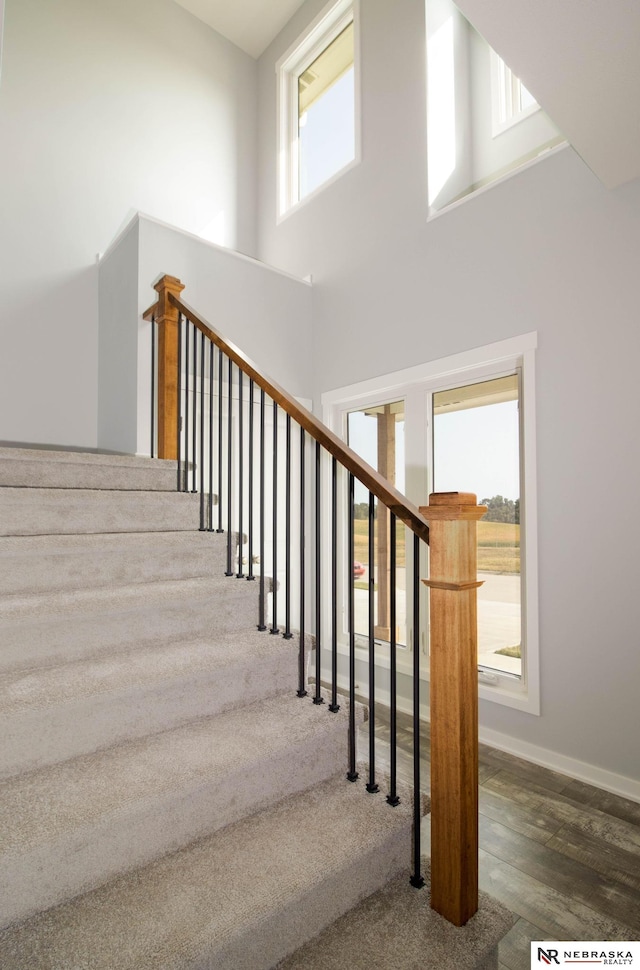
{"points": [[41, 630], [65, 511], [78, 707], [396, 927], [240, 900], [71, 827], [167, 802], [55, 563], [36, 468]]}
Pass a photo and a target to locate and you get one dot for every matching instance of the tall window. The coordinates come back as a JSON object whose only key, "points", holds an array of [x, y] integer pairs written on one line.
{"points": [[317, 127], [462, 423], [476, 441]]}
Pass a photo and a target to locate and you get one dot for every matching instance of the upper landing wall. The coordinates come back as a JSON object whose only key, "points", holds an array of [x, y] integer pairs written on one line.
{"points": [[264, 311]]}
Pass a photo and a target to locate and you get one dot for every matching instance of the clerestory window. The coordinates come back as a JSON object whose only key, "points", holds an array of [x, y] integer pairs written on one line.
{"points": [[482, 123], [317, 115], [511, 102]]}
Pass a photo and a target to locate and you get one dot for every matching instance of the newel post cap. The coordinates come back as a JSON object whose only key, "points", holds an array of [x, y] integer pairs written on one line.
{"points": [[452, 506], [171, 283]]}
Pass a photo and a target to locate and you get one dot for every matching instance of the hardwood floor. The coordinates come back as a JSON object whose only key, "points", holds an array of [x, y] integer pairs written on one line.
{"points": [[563, 856]]}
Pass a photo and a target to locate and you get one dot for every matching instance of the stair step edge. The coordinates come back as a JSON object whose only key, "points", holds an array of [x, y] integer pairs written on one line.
{"points": [[52, 714], [61, 846], [296, 867], [396, 927]]}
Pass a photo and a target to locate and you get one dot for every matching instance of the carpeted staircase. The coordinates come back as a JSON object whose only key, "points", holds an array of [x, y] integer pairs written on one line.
{"points": [[166, 800]]}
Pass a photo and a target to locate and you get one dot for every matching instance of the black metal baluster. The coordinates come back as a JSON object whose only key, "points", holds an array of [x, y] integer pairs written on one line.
{"points": [[261, 609], [301, 655], [352, 774], [250, 547], [210, 526], [240, 573], [179, 386], [153, 386], [229, 571], [220, 366], [416, 879], [274, 581], [194, 413], [334, 706], [202, 368], [392, 797], [186, 404], [371, 784], [287, 581], [318, 698]]}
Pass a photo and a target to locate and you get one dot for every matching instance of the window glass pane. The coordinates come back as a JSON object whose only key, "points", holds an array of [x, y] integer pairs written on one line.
{"points": [[476, 448], [326, 114], [527, 100], [377, 435]]}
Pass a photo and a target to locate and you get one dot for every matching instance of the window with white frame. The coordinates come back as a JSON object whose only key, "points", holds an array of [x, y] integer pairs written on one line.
{"points": [[511, 102], [468, 424], [482, 123], [317, 117]]}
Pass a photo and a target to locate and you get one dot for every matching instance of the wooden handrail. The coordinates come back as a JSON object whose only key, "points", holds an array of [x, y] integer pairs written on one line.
{"points": [[394, 500]]}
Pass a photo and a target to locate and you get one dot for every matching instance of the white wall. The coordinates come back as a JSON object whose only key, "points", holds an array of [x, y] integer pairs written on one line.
{"points": [[266, 313], [118, 345], [549, 250], [104, 109]]}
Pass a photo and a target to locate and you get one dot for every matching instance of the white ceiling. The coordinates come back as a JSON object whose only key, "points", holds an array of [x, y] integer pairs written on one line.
{"points": [[250, 24], [579, 58], [581, 61]]}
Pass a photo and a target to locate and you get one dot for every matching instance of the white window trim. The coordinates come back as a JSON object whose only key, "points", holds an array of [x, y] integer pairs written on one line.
{"points": [[508, 88], [330, 22], [490, 360]]}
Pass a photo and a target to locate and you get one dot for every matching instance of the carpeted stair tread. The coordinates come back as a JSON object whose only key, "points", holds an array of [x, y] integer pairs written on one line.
{"points": [[43, 468], [50, 563], [68, 828], [42, 630], [396, 927], [64, 511], [129, 598], [44, 687], [240, 900], [50, 714]]}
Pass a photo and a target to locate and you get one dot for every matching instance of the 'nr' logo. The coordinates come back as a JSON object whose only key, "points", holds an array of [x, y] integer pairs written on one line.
{"points": [[547, 956]]}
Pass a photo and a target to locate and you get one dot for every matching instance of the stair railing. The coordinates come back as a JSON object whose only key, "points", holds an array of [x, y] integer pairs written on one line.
{"points": [[216, 414]]}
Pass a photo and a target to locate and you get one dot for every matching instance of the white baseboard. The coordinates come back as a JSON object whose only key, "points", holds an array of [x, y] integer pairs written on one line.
{"points": [[580, 770]]}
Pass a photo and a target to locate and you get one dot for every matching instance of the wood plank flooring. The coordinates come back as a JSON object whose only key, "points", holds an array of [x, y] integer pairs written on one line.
{"points": [[563, 856]]}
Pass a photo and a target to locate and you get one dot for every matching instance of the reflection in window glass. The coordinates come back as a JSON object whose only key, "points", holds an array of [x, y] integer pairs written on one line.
{"points": [[476, 448]]}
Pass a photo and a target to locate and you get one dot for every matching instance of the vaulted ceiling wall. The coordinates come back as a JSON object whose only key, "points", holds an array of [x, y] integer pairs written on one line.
{"points": [[579, 58], [581, 61]]}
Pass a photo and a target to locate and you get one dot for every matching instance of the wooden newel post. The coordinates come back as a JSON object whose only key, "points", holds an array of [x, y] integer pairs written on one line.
{"points": [[167, 320], [453, 691]]}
